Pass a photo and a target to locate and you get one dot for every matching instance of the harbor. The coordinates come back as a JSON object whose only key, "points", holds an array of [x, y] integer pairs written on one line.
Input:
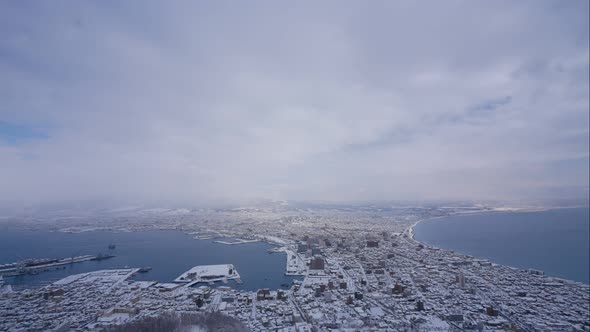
{"points": [[35, 266], [161, 255]]}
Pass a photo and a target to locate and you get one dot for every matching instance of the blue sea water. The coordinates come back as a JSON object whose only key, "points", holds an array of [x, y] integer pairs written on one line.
{"points": [[554, 241], [169, 253]]}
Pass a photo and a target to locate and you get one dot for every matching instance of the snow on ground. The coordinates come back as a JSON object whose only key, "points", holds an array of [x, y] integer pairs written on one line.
{"points": [[205, 272]]}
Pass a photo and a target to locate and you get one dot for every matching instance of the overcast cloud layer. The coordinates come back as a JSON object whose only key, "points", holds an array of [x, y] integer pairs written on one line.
{"points": [[202, 101]]}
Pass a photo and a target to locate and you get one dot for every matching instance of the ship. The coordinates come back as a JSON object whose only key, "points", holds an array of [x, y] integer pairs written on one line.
{"points": [[111, 246], [100, 257], [37, 262]]}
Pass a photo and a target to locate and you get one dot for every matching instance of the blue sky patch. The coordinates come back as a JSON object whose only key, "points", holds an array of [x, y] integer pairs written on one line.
{"points": [[14, 133]]}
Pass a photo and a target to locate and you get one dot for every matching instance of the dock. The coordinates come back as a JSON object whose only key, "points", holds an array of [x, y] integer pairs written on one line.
{"points": [[39, 265], [208, 274], [237, 241]]}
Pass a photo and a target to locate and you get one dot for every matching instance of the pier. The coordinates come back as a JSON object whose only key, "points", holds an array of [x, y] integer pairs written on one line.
{"points": [[209, 274], [34, 266], [237, 241]]}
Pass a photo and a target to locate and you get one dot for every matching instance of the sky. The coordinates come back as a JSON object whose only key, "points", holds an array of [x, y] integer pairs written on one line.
{"points": [[227, 101]]}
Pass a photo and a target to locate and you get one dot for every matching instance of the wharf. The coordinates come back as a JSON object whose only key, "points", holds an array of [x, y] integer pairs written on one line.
{"points": [[237, 241], [209, 274], [20, 268]]}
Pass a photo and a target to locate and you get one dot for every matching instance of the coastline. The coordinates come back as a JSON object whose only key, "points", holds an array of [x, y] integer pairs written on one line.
{"points": [[410, 233], [164, 270]]}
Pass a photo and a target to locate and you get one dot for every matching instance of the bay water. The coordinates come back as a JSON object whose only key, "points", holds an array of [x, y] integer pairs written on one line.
{"points": [[169, 253], [554, 241]]}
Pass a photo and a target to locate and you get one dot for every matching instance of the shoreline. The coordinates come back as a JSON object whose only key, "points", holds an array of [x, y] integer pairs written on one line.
{"points": [[410, 234], [276, 276]]}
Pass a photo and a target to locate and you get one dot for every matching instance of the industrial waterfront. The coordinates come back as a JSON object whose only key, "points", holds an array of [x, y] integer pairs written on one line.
{"points": [[168, 253]]}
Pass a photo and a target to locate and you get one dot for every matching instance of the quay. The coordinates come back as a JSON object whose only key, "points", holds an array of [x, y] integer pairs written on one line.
{"points": [[237, 241], [34, 266], [209, 274]]}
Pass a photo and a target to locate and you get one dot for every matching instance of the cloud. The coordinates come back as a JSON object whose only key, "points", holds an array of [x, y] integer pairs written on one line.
{"points": [[211, 101]]}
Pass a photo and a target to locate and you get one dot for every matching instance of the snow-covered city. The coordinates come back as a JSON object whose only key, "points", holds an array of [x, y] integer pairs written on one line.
{"points": [[360, 270]]}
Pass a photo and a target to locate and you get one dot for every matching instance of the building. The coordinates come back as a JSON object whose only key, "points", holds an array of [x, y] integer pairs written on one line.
{"points": [[263, 294], [372, 244], [317, 263], [455, 318], [460, 279], [420, 305], [302, 248], [490, 311]]}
